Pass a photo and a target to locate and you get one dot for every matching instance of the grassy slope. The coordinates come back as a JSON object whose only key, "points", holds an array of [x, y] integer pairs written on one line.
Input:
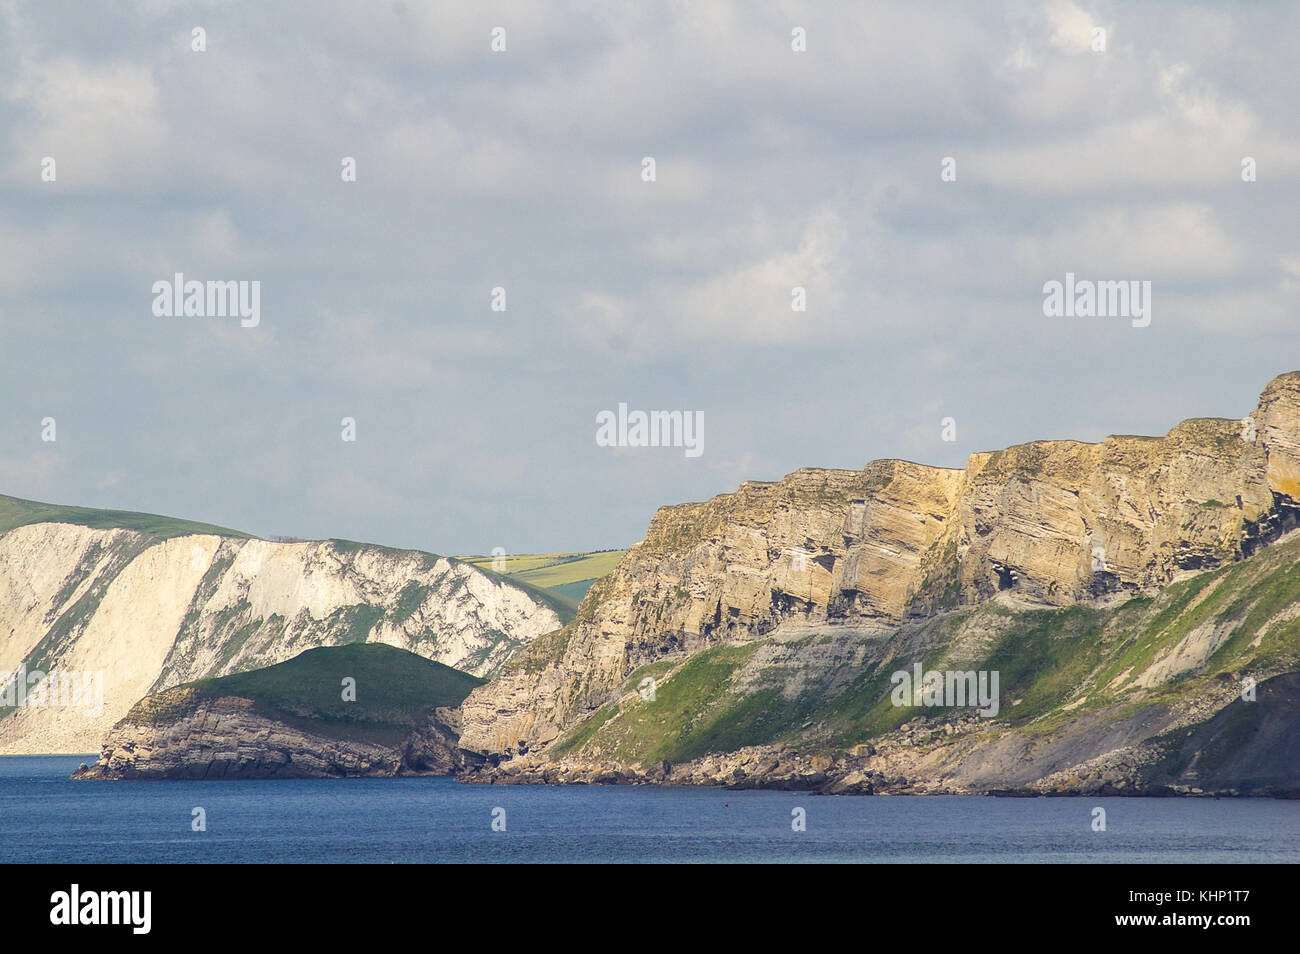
{"points": [[395, 690], [1086, 657], [567, 576], [15, 512]]}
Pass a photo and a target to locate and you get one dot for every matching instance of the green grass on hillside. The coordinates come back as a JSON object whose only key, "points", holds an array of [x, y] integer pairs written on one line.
{"points": [[568, 575], [561, 580], [553, 569], [1086, 658], [395, 689], [15, 512]]}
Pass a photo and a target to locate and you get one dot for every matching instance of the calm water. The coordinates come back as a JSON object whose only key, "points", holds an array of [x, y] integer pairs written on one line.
{"points": [[45, 817]]}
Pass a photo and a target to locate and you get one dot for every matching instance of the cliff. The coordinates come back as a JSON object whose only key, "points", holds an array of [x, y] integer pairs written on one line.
{"points": [[772, 618], [293, 720], [136, 604]]}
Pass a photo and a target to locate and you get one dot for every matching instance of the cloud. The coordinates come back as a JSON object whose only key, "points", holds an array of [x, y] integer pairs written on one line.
{"points": [[752, 303], [1072, 28], [437, 155], [749, 303], [100, 123], [775, 169], [1156, 241], [32, 474]]}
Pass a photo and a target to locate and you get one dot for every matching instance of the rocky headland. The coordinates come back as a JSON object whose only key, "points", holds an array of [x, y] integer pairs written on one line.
{"points": [[1128, 593], [296, 720]]}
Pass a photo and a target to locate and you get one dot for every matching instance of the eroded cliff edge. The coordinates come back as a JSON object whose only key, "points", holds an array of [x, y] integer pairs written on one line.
{"points": [[779, 611], [145, 603]]}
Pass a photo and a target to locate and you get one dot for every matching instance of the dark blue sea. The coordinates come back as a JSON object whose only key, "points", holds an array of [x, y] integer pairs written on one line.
{"points": [[45, 817]]}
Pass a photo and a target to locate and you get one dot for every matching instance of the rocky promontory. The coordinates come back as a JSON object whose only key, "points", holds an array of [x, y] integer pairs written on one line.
{"points": [[360, 710]]}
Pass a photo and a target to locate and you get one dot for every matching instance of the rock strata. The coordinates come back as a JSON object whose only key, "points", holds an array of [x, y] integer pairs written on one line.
{"points": [[1123, 590], [226, 738], [1049, 523], [921, 760]]}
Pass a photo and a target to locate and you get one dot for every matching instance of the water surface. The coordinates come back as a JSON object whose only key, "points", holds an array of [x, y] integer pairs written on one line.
{"points": [[46, 817]]}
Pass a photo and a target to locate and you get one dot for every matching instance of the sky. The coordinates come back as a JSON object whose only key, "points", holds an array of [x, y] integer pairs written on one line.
{"points": [[919, 170]]}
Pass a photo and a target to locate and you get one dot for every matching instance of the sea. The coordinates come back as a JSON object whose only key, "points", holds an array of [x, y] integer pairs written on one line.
{"points": [[47, 818]]}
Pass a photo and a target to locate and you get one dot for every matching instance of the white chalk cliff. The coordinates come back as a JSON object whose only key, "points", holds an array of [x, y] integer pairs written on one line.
{"points": [[149, 612]]}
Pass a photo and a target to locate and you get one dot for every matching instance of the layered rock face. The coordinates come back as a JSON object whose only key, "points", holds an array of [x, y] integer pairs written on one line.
{"points": [[141, 614], [228, 738], [1091, 757], [1049, 524]]}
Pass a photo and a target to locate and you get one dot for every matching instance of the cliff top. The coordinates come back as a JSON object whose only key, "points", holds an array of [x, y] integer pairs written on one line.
{"points": [[1194, 428], [16, 512]]}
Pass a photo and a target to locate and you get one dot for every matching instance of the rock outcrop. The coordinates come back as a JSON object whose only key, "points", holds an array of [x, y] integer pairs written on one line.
{"points": [[145, 612], [969, 761], [823, 578], [397, 714], [227, 738]]}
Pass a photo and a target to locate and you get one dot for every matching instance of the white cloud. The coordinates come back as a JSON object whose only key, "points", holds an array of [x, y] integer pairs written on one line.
{"points": [[748, 303], [1161, 242], [775, 169], [436, 155], [1072, 27], [32, 475], [99, 122]]}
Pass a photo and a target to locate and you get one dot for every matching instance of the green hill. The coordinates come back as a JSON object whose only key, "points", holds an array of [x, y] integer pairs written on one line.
{"points": [[395, 689], [16, 512]]}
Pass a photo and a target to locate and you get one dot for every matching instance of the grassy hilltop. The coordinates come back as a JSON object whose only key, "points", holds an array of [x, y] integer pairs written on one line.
{"points": [[16, 512], [395, 691]]}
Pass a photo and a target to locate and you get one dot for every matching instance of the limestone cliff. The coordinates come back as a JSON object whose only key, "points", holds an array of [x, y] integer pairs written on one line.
{"points": [[146, 610], [784, 594]]}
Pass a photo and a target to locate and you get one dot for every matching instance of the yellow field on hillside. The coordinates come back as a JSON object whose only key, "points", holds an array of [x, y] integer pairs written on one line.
{"points": [[552, 570]]}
